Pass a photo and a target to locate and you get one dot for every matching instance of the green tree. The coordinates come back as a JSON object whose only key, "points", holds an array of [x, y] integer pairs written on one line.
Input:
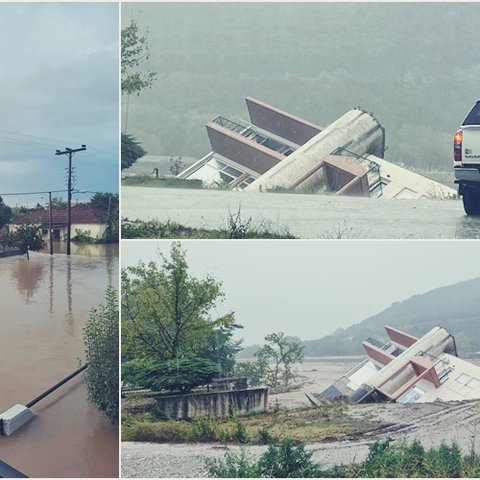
{"points": [[135, 53], [131, 150], [58, 202], [5, 213], [176, 165], [222, 349], [27, 238], [274, 361], [110, 203], [166, 312], [101, 352]]}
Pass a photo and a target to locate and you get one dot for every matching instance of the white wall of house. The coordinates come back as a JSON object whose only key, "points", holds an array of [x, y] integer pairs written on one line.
{"points": [[96, 230]]}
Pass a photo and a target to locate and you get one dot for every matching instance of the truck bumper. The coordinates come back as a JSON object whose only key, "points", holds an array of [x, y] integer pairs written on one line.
{"points": [[467, 174]]}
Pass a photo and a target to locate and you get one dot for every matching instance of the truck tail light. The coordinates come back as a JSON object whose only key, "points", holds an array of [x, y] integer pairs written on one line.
{"points": [[457, 146]]}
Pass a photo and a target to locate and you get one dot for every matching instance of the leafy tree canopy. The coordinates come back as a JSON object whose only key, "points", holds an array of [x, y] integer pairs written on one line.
{"points": [[135, 53], [167, 313], [27, 238], [274, 361], [101, 351], [5, 213], [131, 150], [181, 374]]}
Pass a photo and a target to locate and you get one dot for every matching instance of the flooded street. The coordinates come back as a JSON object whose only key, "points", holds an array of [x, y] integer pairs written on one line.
{"points": [[305, 216], [45, 303]]}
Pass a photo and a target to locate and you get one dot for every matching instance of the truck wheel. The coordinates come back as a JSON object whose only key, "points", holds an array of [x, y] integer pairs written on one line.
{"points": [[471, 201]]}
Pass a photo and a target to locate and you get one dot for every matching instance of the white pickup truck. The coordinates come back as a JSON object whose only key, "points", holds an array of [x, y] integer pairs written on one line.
{"points": [[466, 161]]}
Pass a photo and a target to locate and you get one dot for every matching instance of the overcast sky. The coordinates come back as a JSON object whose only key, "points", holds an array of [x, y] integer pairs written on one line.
{"points": [[308, 288], [59, 89]]}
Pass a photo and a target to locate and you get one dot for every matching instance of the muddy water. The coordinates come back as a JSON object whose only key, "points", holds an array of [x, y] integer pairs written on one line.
{"points": [[44, 305]]}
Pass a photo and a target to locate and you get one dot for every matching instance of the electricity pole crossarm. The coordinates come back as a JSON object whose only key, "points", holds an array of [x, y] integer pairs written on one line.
{"points": [[69, 152]]}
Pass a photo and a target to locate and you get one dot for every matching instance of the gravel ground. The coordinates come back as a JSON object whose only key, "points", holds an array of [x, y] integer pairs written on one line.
{"points": [[429, 423]]}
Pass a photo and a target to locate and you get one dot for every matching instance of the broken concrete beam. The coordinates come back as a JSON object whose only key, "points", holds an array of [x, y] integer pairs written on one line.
{"points": [[14, 418]]}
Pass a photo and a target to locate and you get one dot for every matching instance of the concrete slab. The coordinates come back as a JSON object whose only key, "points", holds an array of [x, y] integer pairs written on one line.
{"points": [[14, 418]]}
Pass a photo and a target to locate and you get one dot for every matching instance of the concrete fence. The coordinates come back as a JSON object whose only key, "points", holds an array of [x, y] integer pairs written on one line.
{"points": [[208, 404], [9, 253]]}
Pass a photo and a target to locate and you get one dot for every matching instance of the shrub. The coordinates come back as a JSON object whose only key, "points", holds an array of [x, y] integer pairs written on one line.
{"points": [[281, 460], [83, 236], [101, 352], [181, 374]]}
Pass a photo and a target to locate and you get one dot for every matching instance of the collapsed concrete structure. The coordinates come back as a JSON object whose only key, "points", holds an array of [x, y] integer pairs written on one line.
{"points": [[279, 151], [407, 369]]}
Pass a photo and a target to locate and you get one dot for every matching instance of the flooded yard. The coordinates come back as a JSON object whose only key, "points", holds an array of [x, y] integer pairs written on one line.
{"points": [[45, 303], [304, 216]]}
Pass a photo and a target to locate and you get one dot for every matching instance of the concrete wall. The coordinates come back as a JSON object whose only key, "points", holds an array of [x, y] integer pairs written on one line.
{"points": [[9, 253], [213, 404]]}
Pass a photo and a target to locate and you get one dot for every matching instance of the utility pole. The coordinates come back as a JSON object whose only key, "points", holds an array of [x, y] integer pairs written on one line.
{"points": [[69, 152]]}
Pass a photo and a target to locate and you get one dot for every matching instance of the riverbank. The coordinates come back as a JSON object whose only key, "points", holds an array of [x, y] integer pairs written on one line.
{"points": [[431, 424]]}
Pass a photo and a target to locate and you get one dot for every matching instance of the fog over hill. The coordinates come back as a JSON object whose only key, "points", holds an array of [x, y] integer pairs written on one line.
{"points": [[408, 63], [455, 307]]}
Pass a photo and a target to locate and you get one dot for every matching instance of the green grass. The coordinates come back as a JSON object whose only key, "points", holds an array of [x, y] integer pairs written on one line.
{"points": [[161, 182], [286, 459], [311, 424], [236, 228]]}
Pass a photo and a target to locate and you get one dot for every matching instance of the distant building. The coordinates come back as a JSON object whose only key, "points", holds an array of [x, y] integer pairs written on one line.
{"points": [[86, 218], [407, 370], [277, 150]]}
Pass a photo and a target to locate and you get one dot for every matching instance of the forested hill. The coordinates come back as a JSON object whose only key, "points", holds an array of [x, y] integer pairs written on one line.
{"points": [[455, 307], [413, 65]]}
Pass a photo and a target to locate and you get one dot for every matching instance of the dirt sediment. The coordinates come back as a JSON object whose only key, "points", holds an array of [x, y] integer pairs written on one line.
{"points": [[431, 423]]}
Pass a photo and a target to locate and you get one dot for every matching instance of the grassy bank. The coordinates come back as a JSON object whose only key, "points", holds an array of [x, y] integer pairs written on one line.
{"points": [[236, 228], [160, 182], [306, 425]]}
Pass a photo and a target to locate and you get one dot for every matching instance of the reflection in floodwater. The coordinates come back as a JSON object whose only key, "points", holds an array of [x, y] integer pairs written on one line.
{"points": [[69, 291], [27, 274], [44, 306]]}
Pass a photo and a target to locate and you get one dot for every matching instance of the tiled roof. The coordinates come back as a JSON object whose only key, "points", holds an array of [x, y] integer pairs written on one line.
{"points": [[81, 214]]}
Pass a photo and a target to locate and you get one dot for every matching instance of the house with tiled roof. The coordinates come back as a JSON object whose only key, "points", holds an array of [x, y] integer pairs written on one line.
{"points": [[85, 218]]}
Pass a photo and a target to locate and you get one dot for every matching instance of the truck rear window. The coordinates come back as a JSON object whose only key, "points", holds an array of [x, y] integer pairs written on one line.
{"points": [[473, 118]]}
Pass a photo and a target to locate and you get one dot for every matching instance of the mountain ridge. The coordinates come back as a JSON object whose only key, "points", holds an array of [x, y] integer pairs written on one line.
{"points": [[455, 307]]}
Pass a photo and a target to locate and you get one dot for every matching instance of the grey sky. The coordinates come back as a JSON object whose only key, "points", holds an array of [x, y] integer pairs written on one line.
{"points": [[310, 288], [60, 83]]}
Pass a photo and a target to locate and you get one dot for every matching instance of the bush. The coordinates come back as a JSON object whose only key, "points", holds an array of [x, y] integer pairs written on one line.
{"points": [[385, 460], [281, 460], [101, 352], [182, 374], [83, 236]]}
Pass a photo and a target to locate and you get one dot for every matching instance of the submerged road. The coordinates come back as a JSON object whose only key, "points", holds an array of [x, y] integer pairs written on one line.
{"points": [[304, 216]]}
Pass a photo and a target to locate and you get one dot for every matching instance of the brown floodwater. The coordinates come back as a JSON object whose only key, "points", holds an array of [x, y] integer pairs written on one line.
{"points": [[44, 304]]}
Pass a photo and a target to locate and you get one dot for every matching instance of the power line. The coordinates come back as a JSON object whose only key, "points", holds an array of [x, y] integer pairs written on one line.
{"points": [[36, 193], [54, 141]]}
